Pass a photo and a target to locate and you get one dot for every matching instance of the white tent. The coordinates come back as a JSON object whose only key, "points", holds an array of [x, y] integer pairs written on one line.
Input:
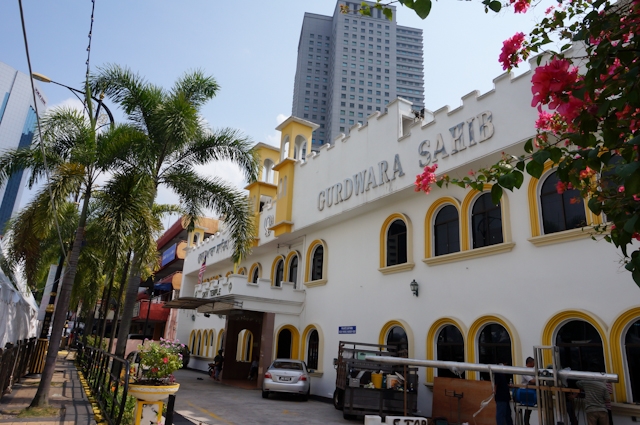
{"points": [[18, 313]]}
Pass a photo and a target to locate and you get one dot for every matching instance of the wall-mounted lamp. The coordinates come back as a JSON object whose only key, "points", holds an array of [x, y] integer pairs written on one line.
{"points": [[414, 287]]}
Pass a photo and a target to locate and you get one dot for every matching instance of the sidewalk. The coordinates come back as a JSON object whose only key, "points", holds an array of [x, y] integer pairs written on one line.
{"points": [[66, 393]]}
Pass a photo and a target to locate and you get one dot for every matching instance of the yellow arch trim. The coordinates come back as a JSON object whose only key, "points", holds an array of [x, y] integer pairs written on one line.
{"points": [[312, 247], [253, 267], [534, 203], [211, 347], [428, 223], [205, 343], [303, 346], [287, 262], [242, 270], [565, 316], [465, 217], [431, 340], [273, 268], [246, 336], [192, 340], [477, 326], [219, 342], [383, 237], [382, 339], [616, 337], [198, 340], [295, 341], [229, 273]]}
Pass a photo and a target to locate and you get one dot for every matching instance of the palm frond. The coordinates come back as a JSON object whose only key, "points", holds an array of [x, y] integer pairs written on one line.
{"points": [[196, 87]]}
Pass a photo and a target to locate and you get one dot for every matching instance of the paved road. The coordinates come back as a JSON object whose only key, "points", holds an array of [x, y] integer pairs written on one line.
{"points": [[208, 402]]}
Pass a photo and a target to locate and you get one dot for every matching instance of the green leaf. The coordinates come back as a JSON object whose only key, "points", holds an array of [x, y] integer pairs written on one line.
{"points": [[632, 183], [630, 225], [634, 141], [535, 169], [627, 170], [520, 165], [507, 181], [496, 194], [422, 8], [541, 156], [519, 178], [495, 6], [595, 206], [528, 147], [388, 13], [555, 154]]}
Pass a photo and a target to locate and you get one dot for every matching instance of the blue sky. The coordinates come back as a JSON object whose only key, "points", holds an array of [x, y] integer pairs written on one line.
{"points": [[250, 47]]}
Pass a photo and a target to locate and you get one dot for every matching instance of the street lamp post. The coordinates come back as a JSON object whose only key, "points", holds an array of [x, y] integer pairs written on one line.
{"points": [[45, 79]]}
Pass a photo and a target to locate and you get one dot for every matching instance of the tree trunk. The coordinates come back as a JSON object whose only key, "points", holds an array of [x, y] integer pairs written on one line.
{"points": [[105, 310], [116, 315], [130, 300], [60, 316]]}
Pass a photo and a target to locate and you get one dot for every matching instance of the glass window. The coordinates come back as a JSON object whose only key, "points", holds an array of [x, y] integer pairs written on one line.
{"points": [[632, 349], [446, 231], [450, 348], [255, 275], [494, 347], [580, 346], [279, 273], [486, 222], [317, 260], [397, 243], [313, 346], [560, 211], [293, 270], [398, 337]]}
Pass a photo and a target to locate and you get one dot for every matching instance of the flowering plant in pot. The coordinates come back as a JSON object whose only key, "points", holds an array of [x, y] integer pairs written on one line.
{"points": [[158, 361]]}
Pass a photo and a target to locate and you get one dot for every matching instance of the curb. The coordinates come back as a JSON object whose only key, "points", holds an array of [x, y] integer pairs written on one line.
{"points": [[97, 413]]}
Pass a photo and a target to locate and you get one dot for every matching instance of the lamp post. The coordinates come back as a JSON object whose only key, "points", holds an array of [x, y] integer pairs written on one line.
{"points": [[45, 79]]}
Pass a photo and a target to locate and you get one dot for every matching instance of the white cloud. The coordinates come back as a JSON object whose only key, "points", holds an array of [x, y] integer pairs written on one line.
{"points": [[71, 102], [281, 117]]}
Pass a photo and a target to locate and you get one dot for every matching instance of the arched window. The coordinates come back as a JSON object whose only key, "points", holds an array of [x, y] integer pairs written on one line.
{"points": [[494, 347], [267, 171], [580, 346], [198, 347], [244, 346], [195, 238], [560, 211], [278, 273], [446, 230], [242, 271], [317, 263], [205, 344], [632, 351], [254, 273], [450, 348], [192, 342], [211, 349], [285, 148], [293, 270], [313, 346], [285, 340], [300, 148], [397, 243], [486, 222], [398, 337], [221, 336]]}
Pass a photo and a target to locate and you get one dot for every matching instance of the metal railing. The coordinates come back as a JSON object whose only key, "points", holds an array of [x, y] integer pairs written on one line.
{"points": [[108, 379], [14, 363]]}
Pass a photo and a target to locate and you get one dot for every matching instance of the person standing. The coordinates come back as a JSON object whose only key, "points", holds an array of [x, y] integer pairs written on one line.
{"points": [[502, 396], [596, 397], [217, 362], [528, 380]]}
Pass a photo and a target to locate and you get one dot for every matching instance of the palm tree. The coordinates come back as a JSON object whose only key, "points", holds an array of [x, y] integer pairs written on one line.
{"points": [[75, 153], [176, 141]]}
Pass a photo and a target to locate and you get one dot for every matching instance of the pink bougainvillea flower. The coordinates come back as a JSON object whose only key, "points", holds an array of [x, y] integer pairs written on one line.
{"points": [[621, 189], [521, 6], [636, 198], [575, 200], [510, 48], [424, 180], [551, 81], [544, 121], [165, 360], [560, 187]]}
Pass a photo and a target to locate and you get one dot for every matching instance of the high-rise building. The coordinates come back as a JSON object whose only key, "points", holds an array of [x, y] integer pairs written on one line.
{"points": [[350, 66], [17, 127]]}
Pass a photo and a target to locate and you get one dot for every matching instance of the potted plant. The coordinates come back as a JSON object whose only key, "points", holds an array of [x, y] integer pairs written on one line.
{"points": [[153, 378]]}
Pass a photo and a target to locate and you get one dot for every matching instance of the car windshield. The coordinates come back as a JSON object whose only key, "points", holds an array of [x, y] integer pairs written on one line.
{"points": [[287, 365]]}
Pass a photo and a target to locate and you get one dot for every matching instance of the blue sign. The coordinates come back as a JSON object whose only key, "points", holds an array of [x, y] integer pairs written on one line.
{"points": [[169, 255], [346, 329]]}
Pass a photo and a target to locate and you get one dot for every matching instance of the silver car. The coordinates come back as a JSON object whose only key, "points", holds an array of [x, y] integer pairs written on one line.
{"points": [[287, 376]]}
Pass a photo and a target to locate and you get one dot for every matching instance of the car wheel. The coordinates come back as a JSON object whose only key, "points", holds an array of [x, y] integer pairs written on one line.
{"points": [[305, 397], [338, 399], [265, 394]]}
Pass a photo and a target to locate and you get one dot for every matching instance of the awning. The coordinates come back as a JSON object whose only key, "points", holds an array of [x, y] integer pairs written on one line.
{"points": [[187, 303]]}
